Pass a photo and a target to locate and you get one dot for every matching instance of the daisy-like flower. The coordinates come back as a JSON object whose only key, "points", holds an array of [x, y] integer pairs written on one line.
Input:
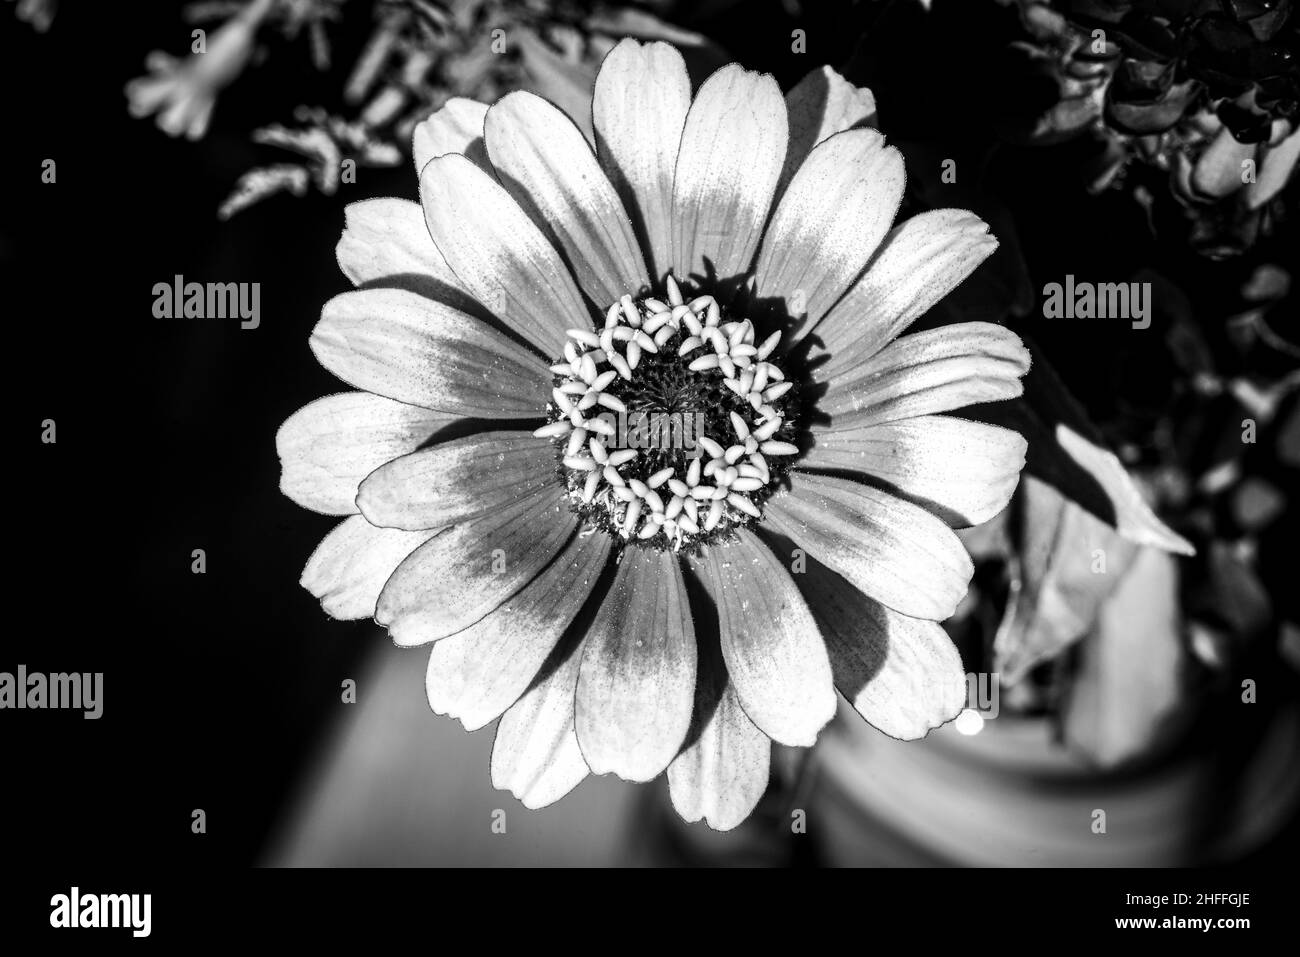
{"points": [[630, 600]]}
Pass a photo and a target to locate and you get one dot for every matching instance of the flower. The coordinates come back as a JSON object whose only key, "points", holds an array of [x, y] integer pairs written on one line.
{"points": [[626, 603], [1210, 97], [39, 13], [184, 93]]}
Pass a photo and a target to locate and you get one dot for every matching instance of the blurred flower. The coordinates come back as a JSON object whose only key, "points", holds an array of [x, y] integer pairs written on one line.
{"points": [[39, 13], [328, 143], [634, 605], [183, 93], [422, 53], [1194, 88]]}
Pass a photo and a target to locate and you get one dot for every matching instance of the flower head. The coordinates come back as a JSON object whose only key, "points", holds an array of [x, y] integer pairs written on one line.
{"points": [[639, 446]]}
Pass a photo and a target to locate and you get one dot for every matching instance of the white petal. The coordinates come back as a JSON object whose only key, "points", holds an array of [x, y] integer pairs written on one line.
{"points": [[838, 207], [401, 345], [478, 673], [820, 105], [385, 241], [457, 127], [967, 469], [457, 480], [902, 674], [640, 105], [894, 551], [547, 166], [919, 262], [327, 447], [535, 755], [637, 684], [723, 771], [464, 574], [498, 254], [775, 657], [731, 152], [352, 562], [927, 372]]}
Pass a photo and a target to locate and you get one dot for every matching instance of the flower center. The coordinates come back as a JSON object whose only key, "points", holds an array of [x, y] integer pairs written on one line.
{"points": [[671, 424]]}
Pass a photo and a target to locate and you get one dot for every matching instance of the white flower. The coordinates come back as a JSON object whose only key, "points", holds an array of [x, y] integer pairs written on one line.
{"points": [[636, 610]]}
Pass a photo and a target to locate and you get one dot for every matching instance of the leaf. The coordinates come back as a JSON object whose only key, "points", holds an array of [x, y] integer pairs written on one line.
{"points": [[1129, 693]]}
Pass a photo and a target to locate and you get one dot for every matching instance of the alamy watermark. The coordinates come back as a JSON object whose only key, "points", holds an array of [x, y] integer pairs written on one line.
{"points": [[75, 909], [1107, 300], [982, 693], [179, 299], [653, 430], [982, 698], [34, 690]]}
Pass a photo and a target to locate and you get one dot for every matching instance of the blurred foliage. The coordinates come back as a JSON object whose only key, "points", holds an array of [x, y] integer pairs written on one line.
{"points": [[416, 55]]}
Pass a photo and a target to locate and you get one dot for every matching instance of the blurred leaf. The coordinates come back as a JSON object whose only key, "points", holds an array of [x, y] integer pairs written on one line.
{"points": [[1131, 684], [1230, 599]]}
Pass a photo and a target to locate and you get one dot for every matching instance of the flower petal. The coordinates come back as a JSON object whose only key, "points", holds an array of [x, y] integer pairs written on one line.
{"points": [[723, 771], [838, 207], [464, 574], [968, 469], [351, 564], [328, 446], [933, 371], [896, 552], [920, 262], [457, 127], [902, 674], [456, 480], [775, 657], [498, 254], [415, 350], [642, 96], [637, 683], [480, 672], [1275, 168], [547, 166], [820, 105], [535, 755], [387, 237], [731, 152], [385, 242]]}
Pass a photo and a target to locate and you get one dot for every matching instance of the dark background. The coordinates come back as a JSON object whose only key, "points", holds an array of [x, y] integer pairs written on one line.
{"points": [[220, 688]]}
